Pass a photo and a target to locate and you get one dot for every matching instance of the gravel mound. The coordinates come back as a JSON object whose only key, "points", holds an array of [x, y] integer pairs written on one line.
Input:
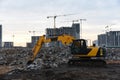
{"points": [[48, 57]]}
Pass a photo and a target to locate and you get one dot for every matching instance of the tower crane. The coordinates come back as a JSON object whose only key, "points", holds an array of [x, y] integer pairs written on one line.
{"points": [[74, 21], [54, 17]]}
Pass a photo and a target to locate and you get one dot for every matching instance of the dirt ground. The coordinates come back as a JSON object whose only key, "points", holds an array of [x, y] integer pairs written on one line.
{"points": [[5, 69], [64, 72]]}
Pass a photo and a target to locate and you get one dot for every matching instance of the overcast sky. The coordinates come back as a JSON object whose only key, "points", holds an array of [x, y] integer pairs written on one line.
{"points": [[18, 17]]}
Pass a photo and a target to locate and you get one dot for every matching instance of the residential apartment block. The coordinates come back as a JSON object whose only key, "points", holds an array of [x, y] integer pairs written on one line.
{"points": [[0, 36], [110, 39], [74, 30]]}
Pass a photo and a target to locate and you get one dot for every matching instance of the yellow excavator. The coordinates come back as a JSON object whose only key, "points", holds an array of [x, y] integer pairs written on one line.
{"points": [[81, 53], [64, 39], [87, 55]]}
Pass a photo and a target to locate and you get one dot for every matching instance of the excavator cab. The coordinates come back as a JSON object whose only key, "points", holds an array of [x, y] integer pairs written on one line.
{"points": [[88, 55], [79, 46]]}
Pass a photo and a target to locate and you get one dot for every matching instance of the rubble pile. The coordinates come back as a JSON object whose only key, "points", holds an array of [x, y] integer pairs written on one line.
{"points": [[14, 56], [113, 54], [51, 57], [47, 57]]}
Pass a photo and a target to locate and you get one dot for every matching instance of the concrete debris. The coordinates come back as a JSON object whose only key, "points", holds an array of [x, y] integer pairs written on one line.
{"points": [[113, 54], [14, 56], [49, 57]]}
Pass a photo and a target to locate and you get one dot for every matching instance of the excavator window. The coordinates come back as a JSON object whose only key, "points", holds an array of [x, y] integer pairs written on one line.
{"points": [[80, 43], [79, 47], [83, 44]]}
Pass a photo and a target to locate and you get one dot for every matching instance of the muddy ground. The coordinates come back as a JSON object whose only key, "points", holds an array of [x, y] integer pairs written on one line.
{"points": [[65, 72]]}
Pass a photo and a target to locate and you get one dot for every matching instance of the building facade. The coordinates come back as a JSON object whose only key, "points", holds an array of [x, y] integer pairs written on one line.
{"points": [[8, 45], [0, 36], [74, 30], [102, 40], [110, 39], [34, 39]]}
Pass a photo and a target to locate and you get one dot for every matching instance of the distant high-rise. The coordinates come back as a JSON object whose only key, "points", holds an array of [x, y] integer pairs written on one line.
{"points": [[8, 45], [0, 36], [110, 39], [34, 39], [74, 30]]}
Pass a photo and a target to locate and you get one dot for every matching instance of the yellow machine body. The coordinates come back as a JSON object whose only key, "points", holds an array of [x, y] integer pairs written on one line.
{"points": [[79, 50]]}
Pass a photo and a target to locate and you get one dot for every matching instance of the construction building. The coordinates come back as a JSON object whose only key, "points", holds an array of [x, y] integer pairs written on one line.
{"points": [[8, 44], [74, 30], [34, 39], [0, 36], [110, 39], [102, 40]]}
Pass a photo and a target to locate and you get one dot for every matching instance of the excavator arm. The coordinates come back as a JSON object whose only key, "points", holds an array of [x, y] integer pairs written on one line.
{"points": [[64, 39]]}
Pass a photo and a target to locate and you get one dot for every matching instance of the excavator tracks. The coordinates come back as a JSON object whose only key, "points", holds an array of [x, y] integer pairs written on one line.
{"points": [[87, 62]]}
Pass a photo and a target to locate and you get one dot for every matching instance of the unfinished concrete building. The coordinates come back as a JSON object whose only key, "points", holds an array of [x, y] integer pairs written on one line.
{"points": [[8, 45], [110, 39], [34, 39], [0, 36], [74, 30]]}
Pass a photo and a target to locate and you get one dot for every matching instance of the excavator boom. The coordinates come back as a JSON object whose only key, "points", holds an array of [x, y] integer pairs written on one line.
{"points": [[64, 39]]}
